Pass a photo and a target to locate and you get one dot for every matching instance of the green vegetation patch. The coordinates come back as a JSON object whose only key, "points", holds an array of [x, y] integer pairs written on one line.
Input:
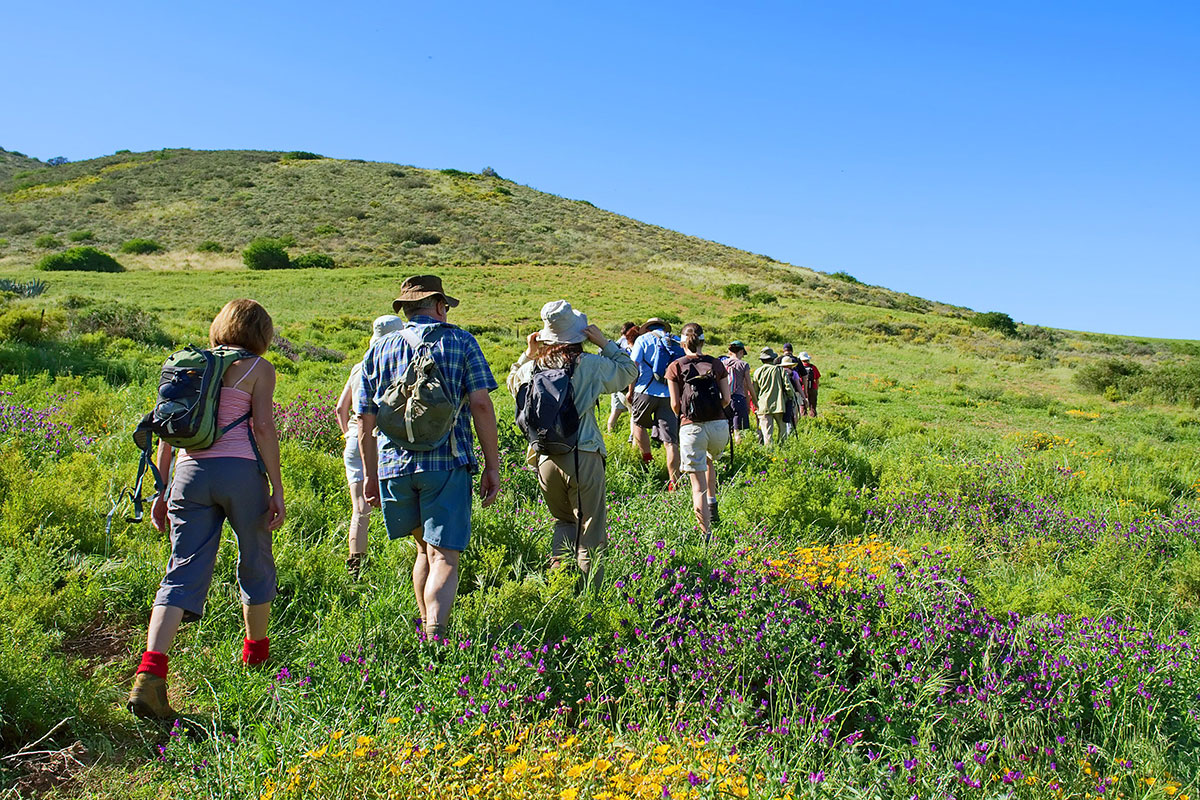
{"points": [[80, 259]]}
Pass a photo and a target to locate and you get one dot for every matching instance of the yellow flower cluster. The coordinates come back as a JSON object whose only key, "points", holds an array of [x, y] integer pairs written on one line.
{"points": [[1075, 412], [1036, 440], [838, 565], [534, 763]]}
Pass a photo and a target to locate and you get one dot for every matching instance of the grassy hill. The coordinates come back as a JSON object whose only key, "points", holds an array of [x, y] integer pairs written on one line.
{"points": [[975, 574], [12, 163]]}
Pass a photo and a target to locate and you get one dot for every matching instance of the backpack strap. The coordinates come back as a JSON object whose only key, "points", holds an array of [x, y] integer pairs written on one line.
{"points": [[426, 340], [244, 376], [143, 437]]}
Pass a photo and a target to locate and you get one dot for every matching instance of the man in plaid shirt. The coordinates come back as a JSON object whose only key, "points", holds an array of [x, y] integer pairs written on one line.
{"points": [[428, 494]]}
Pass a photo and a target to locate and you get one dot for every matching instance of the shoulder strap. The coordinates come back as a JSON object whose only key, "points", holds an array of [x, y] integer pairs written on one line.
{"points": [[247, 372]]}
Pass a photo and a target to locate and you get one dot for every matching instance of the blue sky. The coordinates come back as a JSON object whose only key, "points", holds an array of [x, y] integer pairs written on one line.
{"points": [[1034, 158]]}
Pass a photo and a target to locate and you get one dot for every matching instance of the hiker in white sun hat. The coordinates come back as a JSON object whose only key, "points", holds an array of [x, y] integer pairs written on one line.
{"points": [[552, 369], [360, 514], [810, 376]]}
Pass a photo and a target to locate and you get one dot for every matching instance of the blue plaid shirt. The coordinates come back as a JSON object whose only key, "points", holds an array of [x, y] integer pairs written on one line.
{"points": [[462, 363]]}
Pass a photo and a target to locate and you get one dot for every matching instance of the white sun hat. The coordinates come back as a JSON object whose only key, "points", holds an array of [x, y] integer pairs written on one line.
{"points": [[562, 324], [382, 326]]}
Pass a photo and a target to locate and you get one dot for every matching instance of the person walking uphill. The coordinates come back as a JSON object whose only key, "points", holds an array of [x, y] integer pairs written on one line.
{"points": [[773, 387], [700, 395], [741, 392], [360, 515], [572, 480], [810, 376], [653, 352], [420, 470], [224, 481]]}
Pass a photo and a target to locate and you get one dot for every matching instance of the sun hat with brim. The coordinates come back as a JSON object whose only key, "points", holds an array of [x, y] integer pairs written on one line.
{"points": [[788, 361], [655, 322], [737, 345], [382, 326], [418, 287], [804, 356], [562, 324], [767, 354]]}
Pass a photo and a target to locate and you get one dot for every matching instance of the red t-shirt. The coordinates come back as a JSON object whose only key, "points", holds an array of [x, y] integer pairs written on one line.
{"points": [[674, 374]]}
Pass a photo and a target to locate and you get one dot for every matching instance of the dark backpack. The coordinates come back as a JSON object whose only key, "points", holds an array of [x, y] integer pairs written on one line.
{"points": [[666, 350], [701, 395], [185, 410], [546, 411]]}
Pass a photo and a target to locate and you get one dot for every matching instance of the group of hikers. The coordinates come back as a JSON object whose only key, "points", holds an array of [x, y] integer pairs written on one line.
{"points": [[407, 412]]}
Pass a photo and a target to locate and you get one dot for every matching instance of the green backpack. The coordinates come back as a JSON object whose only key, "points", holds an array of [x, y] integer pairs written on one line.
{"points": [[419, 410], [185, 412]]}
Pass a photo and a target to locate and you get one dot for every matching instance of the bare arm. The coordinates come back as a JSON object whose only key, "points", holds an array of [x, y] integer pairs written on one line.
{"points": [[266, 436], [368, 448], [676, 397], [726, 392], [342, 410], [483, 415]]}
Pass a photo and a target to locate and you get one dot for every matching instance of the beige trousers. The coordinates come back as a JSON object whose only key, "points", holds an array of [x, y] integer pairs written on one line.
{"points": [[768, 421], [566, 495]]}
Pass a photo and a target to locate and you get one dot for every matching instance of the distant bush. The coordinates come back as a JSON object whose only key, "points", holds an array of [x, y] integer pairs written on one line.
{"points": [[417, 236], [119, 320], [21, 226], [124, 198], [456, 173], [80, 259], [80, 236], [266, 254], [996, 321], [736, 291], [141, 246], [313, 261], [488, 172], [1117, 379], [302, 155], [209, 246], [763, 299], [326, 230], [46, 241], [3, 243], [845, 276]]}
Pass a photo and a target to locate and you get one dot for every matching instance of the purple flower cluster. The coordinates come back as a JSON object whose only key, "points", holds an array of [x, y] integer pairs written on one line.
{"points": [[37, 430], [310, 420]]}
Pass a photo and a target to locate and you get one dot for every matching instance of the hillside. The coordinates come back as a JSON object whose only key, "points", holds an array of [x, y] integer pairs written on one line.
{"points": [[12, 163], [361, 213]]}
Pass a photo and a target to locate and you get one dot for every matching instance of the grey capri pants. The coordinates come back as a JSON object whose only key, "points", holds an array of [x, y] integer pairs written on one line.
{"points": [[204, 493]]}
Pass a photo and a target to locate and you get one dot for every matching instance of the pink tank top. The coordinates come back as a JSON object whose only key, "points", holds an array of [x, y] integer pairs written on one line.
{"points": [[235, 442]]}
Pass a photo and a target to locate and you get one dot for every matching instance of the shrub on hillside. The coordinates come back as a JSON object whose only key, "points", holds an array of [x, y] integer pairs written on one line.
{"points": [[995, 321], [118, 320], [80, 259], [845, 277], [141, 246], [763, 299], [46, 242], [326, 230], [80, 236], [209, 246], [3, 243], [313, 261], [28, 326], [266, 254], [417, 236], [302, 155], [736, 291]]}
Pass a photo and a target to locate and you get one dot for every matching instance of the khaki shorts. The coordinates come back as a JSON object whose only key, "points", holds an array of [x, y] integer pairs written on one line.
{"points": [[700, 441]]}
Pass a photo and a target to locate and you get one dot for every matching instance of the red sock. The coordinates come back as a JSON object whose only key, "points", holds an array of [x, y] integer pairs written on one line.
{"points": [[647, 457], [155, 663], [256, 652]]}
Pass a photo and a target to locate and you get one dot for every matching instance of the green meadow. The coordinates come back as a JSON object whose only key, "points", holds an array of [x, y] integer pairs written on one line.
{"points": [[975, 574]]}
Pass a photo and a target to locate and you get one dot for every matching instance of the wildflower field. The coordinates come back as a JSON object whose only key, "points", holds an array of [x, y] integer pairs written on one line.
{"points": [[966, 579]]}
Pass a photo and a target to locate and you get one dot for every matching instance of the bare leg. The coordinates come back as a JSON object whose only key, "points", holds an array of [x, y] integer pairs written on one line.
{"points": [[712, 481], [672, 461], [641, 437], [360, 520], [256, 618], [613, 416], [164, 624], [420, 573], [700, 501], [440, 587]]}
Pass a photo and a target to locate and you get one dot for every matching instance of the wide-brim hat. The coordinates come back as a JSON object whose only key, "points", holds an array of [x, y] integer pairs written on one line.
{"points": [[382, 326], [767, 354], [418, 287], [804, 356], [656, 322], [562, 324], [788, 361]]}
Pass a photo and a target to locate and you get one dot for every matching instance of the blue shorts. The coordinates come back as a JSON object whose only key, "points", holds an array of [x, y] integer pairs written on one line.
{"points": [[439, 503], [741, 412]]}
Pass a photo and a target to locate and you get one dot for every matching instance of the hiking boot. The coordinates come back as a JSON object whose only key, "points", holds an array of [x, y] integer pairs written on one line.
{"points": [[714, 517], [148, 698], [354, 565]]}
